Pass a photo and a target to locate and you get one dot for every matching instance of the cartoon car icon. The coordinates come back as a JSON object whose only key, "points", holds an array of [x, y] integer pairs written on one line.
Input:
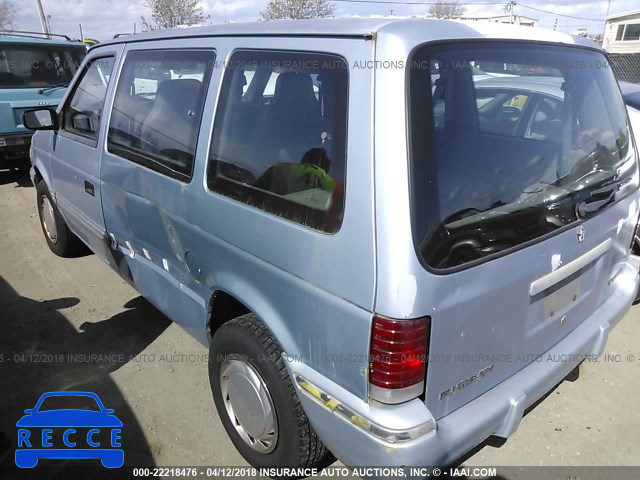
{"points": [[69, 425]]}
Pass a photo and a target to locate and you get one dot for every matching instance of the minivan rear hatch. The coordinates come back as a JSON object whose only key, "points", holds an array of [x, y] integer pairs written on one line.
{"points": [[522, 170]]}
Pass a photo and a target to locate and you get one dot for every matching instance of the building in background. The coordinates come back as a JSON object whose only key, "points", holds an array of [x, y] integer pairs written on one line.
{"points": [[514, 19], [622, 33]]}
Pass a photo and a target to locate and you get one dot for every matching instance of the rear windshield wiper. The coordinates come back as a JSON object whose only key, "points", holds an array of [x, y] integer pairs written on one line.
{"points": [[53, 87], [600, 197]]}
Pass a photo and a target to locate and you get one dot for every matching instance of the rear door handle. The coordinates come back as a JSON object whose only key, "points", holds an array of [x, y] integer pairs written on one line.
{"points": [[89, 188], [550, 279]]}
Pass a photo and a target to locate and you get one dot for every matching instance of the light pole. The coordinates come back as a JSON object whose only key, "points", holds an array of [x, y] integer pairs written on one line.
{"points": [[509, 9], [604, 30], [43, 19]]}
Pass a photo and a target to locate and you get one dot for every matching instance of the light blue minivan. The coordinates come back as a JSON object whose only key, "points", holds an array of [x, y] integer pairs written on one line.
{"points": [[34, 72], [394, 236]]}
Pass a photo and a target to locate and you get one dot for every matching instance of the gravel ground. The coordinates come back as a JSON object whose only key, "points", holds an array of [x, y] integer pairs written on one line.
{"points": [[155, 376]]}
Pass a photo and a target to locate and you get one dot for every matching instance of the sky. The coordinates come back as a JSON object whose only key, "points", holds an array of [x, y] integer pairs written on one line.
{"points": [[102, 19]]}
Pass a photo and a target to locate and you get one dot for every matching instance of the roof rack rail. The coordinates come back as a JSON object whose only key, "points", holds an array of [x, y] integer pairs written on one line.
{"points": [[28, 34], [120, 35]]}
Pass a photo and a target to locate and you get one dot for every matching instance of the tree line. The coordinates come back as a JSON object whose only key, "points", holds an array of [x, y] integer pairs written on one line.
{"points": [[176, 13], [173, 13]]}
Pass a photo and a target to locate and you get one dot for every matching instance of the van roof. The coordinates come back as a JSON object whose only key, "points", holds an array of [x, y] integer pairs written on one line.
{"points": [[25, 39], [365, 28]]}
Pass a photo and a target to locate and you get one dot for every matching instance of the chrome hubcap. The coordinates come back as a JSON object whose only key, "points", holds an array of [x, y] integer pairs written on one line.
{"points": [[248, 404], [48, 219]]}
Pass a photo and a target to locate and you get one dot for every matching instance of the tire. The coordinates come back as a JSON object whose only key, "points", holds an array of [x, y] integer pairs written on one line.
{"points": [[246, 342], [62, 241]]}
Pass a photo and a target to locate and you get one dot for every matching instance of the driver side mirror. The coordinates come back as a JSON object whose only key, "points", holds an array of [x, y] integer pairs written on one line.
{"points": [[40, 119]]}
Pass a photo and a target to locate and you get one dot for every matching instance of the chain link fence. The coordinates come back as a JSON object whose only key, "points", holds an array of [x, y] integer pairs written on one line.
{"points": [[626, 66]]}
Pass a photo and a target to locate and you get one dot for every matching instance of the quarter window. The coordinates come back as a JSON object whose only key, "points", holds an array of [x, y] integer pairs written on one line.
{"points": [[158, 107], [84, 111], [279, 142]]}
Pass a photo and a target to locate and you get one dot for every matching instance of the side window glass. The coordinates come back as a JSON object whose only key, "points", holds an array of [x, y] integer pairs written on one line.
{"points": [[437, 94], [546, 122], [157, 109], [499, 112], [84, 110], [279, 142]]}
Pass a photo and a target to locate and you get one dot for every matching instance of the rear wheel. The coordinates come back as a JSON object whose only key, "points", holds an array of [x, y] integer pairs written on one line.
{"points": [[256, 400], [62, 241]]}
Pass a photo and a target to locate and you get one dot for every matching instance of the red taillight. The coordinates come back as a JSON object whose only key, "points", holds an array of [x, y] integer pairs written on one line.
{"points": [[399, 351]]}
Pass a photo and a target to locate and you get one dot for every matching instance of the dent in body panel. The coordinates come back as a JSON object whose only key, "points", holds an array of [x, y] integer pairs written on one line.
{"points": [[168, 291], [132, 252], [169, 296], [313, 291], [141, 209]]}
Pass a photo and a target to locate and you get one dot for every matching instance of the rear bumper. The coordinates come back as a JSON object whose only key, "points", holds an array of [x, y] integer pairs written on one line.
{"points": [[15, 147], [497, 412]]}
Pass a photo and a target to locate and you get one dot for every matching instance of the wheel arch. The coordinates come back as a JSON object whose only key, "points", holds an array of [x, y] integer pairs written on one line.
{"points": [[223, 307], [41, 173], [37, 176], [227, 302]]}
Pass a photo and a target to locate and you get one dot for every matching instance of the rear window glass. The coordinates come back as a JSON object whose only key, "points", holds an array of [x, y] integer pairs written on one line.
{"points": [[279, 142], [510, 142], [37, 65]]}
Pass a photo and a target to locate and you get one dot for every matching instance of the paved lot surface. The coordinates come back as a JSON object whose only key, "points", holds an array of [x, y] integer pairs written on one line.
{"points": [[155, 376]]}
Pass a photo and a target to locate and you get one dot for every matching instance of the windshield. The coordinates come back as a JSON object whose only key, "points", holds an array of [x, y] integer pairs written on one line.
{"points": [[38, 66], [537, 142]]}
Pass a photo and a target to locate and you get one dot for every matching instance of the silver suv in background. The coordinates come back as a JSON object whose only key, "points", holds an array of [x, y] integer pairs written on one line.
{"points": [[394, 236]]}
